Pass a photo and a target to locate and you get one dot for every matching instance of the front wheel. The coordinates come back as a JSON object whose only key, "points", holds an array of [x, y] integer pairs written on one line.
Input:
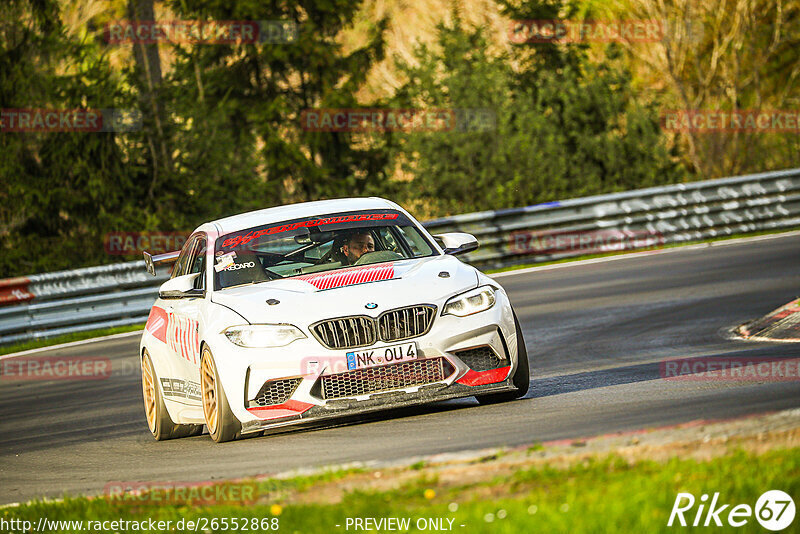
{"points": [[158, 420], [521, 378], [222, 424]]}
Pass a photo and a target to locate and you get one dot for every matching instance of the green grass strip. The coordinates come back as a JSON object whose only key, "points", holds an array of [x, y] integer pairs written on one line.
{"points": [[66, 338], [594, 496]]}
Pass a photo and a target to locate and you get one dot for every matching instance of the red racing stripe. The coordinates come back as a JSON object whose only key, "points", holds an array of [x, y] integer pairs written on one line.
{"points": [[352, 276]]}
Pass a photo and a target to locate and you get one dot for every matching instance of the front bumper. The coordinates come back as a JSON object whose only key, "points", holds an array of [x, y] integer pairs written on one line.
{"points": [[246, 371]]}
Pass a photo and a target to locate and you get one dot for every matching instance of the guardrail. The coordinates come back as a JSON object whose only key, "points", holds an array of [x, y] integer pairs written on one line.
{"points": [[51, 304], [658, 215]]}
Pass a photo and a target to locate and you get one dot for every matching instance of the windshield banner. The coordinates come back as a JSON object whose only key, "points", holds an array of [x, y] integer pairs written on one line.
{"points": [[245, 238]]}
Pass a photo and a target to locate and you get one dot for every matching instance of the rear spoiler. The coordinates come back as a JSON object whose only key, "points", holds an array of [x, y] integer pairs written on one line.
{"points": [[151, 261]]}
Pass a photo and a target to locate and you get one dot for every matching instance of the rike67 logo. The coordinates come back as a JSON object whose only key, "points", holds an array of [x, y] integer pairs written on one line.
{"points": [[774, 510]]}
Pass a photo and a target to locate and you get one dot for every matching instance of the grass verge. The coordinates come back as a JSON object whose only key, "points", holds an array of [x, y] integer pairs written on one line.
{"points": [[66, 338], [597, 494]]}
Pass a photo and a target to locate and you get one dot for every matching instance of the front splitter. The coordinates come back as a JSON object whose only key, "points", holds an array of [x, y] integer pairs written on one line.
{"points": [[379, 401]]}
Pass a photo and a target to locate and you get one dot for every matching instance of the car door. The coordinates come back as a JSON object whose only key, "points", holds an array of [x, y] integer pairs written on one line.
{"points": [[183, 325], [183, 333]]}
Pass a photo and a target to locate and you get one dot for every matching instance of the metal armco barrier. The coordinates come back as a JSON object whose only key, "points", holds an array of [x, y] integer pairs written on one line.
{"points": [[51, 304], [658, 215]]}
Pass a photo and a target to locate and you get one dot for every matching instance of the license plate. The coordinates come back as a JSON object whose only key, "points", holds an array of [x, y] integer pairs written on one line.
{"points": [[359, 359]]}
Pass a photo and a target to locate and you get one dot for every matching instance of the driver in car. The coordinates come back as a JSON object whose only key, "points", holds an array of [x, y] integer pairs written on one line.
{"points": [[355, 246]]}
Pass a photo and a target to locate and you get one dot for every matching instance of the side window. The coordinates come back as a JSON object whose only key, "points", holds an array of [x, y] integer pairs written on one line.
{"points": [[197, 262], [182, 264]]}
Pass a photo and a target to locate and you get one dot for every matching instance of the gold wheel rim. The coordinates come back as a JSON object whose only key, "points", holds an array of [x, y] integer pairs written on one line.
{"points": [[208, 377], [149, 393]]}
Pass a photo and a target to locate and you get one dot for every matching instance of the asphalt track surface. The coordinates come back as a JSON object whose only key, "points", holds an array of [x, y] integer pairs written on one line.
{"points": [[596, 335]]}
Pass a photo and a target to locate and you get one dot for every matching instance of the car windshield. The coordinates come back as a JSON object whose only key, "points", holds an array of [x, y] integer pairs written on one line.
{"points": [[314, 245]]}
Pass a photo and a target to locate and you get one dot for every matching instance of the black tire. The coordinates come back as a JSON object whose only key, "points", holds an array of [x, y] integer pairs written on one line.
{"points": [[159, 422], [521, 378], [223, 426]]}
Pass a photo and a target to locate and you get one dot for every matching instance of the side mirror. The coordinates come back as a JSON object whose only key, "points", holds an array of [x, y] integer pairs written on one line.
{"points": [[180, 287], [457, 242]]}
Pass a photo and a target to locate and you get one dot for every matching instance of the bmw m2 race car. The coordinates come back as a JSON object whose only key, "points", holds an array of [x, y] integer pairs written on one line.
{"points": [[325, 309]]}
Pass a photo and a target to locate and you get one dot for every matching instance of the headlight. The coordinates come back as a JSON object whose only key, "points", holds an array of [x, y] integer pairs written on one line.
{"points": [[474, 301], [263, 335]]}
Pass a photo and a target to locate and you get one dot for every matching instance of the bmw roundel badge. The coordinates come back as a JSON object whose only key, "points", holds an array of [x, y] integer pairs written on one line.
{"points": [[370, 305]]}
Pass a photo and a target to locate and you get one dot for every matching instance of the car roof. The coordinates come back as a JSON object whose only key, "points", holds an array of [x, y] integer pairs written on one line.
{"points": [[296, 211]]}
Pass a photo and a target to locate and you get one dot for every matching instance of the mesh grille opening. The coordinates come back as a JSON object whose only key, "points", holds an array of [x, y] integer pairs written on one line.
{"points": [[276, 391], [384, 378], [480, 358]]}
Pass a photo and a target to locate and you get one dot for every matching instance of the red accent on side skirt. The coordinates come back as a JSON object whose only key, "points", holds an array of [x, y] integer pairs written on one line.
{"points": [[287, 409], [479, 378]]}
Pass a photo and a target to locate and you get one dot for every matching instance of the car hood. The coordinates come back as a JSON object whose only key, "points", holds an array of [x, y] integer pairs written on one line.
{"points": [[304, 300]]}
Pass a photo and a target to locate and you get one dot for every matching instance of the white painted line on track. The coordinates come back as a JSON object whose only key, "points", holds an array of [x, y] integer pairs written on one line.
{"points": [[771, 340]]}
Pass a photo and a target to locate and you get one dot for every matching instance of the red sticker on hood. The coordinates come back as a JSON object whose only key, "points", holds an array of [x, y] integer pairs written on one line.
{"points": [[350, 277]]}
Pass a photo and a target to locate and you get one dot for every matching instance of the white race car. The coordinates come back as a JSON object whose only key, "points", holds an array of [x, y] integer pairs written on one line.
{"points": [[325, 309]]}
